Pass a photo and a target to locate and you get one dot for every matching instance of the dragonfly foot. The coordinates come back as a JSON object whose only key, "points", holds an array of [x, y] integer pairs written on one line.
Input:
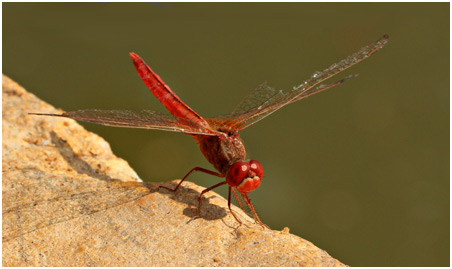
{"points": [[173, 190]]}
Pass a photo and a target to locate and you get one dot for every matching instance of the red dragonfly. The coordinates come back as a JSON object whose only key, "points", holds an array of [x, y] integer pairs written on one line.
{"points": [[218, 138]]}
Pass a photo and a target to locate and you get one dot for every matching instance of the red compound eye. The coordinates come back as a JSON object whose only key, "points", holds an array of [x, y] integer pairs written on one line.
{"points": [[245, 176], [256, 167], [237, 172]]}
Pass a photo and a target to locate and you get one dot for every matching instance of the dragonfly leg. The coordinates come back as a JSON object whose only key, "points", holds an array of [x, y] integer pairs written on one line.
{"points": [[204, 191], [238, 200], [229, 204], [250, 205], [191, 171]]}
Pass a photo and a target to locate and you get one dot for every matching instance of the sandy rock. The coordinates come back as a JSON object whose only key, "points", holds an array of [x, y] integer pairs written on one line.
{"points": [[68, 201]]}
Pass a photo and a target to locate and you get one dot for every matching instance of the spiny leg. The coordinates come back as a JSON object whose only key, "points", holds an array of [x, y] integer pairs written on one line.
{"points": [[206, 190], [250, 205], [238, 200], [229, 204], [191, 171]]}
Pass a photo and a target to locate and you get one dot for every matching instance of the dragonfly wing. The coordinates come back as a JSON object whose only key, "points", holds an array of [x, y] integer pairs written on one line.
{"points": [[265, 100], [145, 119]]}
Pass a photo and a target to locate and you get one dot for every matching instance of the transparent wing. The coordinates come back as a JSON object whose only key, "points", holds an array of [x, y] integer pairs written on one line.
{"points": [[145, 119], [265, 100]]}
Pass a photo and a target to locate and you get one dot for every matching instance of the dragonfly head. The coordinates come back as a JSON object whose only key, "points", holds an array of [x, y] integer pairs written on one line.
{"points": [[245, 176]]}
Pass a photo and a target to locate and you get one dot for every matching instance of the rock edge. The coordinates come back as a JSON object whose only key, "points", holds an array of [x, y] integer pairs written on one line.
{"points": [[69, 201]]}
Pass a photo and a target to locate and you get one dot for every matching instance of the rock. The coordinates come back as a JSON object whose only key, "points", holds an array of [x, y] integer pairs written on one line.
{"points": [[68, 201]]}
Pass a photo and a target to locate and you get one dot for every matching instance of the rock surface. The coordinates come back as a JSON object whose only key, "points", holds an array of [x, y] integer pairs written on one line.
{"points": [[68, 201]]}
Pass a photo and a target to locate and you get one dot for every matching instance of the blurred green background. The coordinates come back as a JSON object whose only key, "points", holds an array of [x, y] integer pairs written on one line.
{"points": [[361, 170]]}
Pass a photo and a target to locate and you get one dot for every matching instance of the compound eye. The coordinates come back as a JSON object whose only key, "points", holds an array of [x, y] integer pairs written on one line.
{"points": [[237, 172], [256, 167]]}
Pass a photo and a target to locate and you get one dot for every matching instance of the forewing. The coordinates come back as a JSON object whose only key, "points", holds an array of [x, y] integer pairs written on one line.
{"points": [[265, 100], [145, 119]]}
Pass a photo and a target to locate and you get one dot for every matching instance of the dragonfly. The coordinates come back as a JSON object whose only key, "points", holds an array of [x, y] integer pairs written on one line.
{"points": [[218, 138]]}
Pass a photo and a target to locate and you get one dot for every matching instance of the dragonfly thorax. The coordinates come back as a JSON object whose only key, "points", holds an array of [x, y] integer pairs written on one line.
{"points": [[222, 151]]}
